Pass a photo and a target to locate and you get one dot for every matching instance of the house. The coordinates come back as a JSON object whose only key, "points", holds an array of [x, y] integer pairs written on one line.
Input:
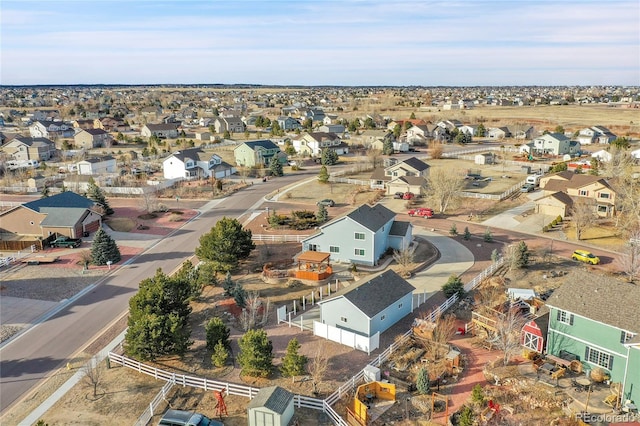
{"points": [[50, 129], [272, 406], [408, 167], [97, 166], [498, 133], [362, 236], [195, 163], [521, 131], [231, 124], [594, 319], [111, 124], [22, 148], [83, 124], [287, 123], [162, 130], [552, 144], [312, 144], [369, 306], [554, 205], [595, 134], [602, 155], [409, 175], [66, 213], [257, 153], [419, 134], [338, 129], [92, 138], [578, 186]]}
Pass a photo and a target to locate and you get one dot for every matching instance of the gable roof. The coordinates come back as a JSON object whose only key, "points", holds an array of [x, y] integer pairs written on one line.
{"points": [[62, 216], [162, 126], [600, 298], [264, 143], [274, 398], [94, 132], [29, 141], [416, 164], [374, 294], [372, 218], [399, 228], [63, 199]]}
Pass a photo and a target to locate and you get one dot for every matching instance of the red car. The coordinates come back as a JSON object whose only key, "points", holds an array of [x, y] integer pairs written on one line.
{"points": [[408, 196], [422, 212]]}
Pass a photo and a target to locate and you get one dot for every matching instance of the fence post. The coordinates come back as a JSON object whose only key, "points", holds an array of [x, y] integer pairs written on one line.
{"points": [[151, 408]]}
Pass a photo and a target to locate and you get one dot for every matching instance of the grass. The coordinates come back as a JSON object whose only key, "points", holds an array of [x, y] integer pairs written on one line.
{"points": [[121, 224]]}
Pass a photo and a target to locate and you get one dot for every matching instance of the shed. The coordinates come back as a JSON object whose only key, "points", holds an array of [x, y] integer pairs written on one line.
{"points": [[534, 333], [272, 406], [486, 158]]}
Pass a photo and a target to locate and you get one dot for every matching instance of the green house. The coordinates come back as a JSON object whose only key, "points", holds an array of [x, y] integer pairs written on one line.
{"points": [[257, 153], [596, 319]]}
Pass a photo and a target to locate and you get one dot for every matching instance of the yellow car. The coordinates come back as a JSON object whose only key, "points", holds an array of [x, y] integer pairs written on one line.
{"points": [[585, 256]]}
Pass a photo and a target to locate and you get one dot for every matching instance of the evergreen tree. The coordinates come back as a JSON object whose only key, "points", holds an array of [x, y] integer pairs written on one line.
{"points": [[422, 381], [293, 364], [256, 354], [480, 130], [207, 275], [189, 273], [239, 295], [328, 157], [452, 286], [488, 237], [226, 135], [104, 249], [216, 332], [322, 215], [228, 284], [495, 255], [159, 318], [225, 245], [453, 230], [387, 147], [95, 193], [45, 192], [477, 394], [323, 176], [220, 355], [275, 167], [397, 131], [522, 255], [467, 234]]}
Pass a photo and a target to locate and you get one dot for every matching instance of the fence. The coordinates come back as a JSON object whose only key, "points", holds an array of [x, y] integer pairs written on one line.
{"points": [[148, 414], [347, 338], [484, 274], [278, 238]]}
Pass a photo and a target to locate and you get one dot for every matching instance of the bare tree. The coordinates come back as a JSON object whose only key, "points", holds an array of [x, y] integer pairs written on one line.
{"points": [[628, 196], [436, 149], [620, 165], [318, 366], [507, 334], [404, 259], [488, 296], [583, 215], [149, 201], [444, 187], [255, 312], [93, 374], [375, 157], [444, 331], [85, 258], [630, 257]]}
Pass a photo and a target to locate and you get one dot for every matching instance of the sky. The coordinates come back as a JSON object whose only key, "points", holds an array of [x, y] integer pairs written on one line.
{"points": [[337, 43]]}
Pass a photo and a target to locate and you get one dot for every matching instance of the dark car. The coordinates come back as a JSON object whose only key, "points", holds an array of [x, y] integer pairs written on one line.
{"points": [[398, 195], [326, 202], [186, 418]]}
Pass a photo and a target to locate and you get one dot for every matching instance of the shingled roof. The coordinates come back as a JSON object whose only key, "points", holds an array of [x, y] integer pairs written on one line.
{"points": [[66, 199], [416, 164], [373, 218], [600, 298], [373, 295], [274, 398]]}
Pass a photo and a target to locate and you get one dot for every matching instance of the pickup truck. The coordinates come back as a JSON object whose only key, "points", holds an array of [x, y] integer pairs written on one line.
{"points": [[422, 212], [66, 242]]}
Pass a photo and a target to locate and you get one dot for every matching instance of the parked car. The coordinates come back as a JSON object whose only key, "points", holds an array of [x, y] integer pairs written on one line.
{"points": [[326, 202], [398, 195], [66, 242], [186, 418], [422, 212], [527, 187], [585, 256], [408, 196]]}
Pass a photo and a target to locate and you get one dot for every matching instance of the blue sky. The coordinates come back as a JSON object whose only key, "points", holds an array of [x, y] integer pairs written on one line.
{"points": [[350, 43]]}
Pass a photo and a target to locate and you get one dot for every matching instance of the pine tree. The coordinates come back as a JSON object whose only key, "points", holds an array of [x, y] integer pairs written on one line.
{"points": [[225, 245], [328, 157], [104, 249], [239, 295], [387, 147], [293, 363], [216, 332], [467, 234], [322, 215], [522, 255], [488, 237], [275, 167], [422, 381], [228, 285], [453, 230], [96, 193], [256, 354], [323, 176], [477, 394], [220, 355]]}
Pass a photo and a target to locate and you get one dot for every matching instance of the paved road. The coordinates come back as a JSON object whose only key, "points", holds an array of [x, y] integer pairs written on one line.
{"points": [[28, 360]]}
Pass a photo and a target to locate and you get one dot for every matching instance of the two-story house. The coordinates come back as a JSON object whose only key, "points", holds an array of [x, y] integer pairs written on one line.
{"points": [[195, 163], [22, 148], [562, 189], [361, 236], [498, 133], [287, 123], [231, 124], [595, 134], [111, 124], [92, 138], [258, 153], [161, 130], [594, 319], [409, 175], [312, 144], [552, 144], [51, 129], [419, 134]]}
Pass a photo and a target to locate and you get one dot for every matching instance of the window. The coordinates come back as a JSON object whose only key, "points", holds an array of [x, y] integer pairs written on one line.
{"points": [[599, 358], [602, 209], [313, 247], [359, 252], [583, 193], [382, 317], [604, 195], [565, 317], [626, 336], [343, 319], [334, 249], [359, 236]]}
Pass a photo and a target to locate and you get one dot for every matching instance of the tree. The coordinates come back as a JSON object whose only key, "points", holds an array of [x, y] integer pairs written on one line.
{"points": [[256, 354], [45, 192], [422, 381], [293, 364], [239, 295], [621, 142], [452, 286], [189, 274], [369, 123], [104, 249], [594, 170], [93, 375], [467, 234], [477, 394], [453, 231], [397, 131], [481, 131], [226, 135], [374, 157], [220, 355], [322, 215], [559, 129], [216, 332], [323, 176], [404, 259], [228, 284], [488, 236], [207, 275], [307, 124], [467, 418], [328, 157], [275, 167], [225, 245], [318, 367], [387, 147], [506, 336], [522, 255], [630, 258], [583, 215], [444, 188], [95, 193], [159, 318]]}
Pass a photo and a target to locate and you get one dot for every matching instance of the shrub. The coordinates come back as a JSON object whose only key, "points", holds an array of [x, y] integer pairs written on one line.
{"points": [[466, 417], [453, 230], [488, 236], [220, 355], [559, 219], [477, 394], [467, 234], [452, 286]]}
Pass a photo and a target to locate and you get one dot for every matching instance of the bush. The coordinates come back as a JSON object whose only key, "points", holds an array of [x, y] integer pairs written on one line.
{"points": [[466, 417], [220, 355], [477, 394], [467, 234], [545, 228], [559, 219], [453, 230], [452, 286]]}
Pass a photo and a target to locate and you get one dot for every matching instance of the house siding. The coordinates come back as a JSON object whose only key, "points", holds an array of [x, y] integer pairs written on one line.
{"points": [[632, 385], [342, 235], [392, 314], [333, 310], [19, 221]]}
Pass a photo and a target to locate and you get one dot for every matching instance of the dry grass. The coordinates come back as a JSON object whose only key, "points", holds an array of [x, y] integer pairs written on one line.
{"points": [[121, 224]]}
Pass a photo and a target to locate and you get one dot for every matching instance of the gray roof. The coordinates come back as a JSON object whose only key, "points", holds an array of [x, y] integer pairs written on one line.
{"points": [[264, 143], [274, 398], [62, 216], [63, 199], [416, 164], [162, 126], [94, 160], [399, 228], [192, 154], [600, 298], [375, 294], [373, 218]]}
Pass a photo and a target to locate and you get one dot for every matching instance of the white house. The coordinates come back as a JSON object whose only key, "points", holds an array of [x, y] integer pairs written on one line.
{"points": [[195, 163], [602, 155], [97, 166]]}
